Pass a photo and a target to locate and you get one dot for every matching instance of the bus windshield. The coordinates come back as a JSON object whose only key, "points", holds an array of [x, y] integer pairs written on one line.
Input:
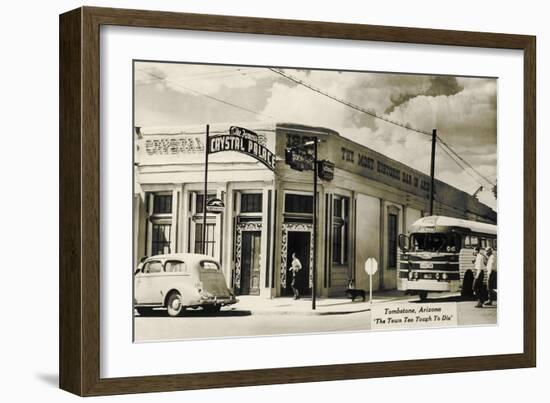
{"points": [[435, 242]]}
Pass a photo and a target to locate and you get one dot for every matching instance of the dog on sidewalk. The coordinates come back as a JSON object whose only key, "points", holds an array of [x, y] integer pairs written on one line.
{"points": [[353, 292]]}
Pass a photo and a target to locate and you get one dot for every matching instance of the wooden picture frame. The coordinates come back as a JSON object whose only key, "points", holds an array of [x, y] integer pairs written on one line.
{"points": [[80, 198]]}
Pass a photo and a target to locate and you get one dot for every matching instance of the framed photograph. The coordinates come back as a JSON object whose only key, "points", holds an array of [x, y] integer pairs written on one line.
{"points": [[248, 201]]}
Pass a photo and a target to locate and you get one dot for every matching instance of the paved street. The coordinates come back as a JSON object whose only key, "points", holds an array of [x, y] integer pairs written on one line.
{"points": [[286, 316]]}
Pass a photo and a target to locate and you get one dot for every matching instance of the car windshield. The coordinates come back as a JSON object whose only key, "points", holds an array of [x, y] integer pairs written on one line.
{"points": [[435, 242]]}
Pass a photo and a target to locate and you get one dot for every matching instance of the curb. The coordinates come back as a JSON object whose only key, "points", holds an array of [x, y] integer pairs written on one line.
{"points": [[305, 313], [319, 312]]}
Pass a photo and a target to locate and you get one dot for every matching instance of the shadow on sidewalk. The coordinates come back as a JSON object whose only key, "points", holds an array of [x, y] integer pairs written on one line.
{"points": [[456, 298], [344, 302], [197, 313], [332, 313]]}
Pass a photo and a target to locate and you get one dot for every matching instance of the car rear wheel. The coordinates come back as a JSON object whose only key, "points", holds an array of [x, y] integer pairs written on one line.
{"points": [[174, 304], [423, 295]]}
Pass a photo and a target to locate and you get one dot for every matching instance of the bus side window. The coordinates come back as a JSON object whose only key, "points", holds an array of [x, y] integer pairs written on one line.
{"points": [[483, 243], [474, 241], [467, 241]]}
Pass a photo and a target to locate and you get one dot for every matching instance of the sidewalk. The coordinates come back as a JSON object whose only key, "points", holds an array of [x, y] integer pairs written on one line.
{"points": [[324, 306]]}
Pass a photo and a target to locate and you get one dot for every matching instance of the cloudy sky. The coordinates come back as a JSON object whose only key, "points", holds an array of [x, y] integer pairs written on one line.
{"points": [[463, 110]]}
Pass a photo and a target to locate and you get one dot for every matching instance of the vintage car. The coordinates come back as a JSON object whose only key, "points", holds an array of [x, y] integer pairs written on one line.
{"points": [[178, 281]]}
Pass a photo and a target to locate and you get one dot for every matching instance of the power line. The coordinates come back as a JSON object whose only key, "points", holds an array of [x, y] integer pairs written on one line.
{"points": [[347, 103], [453, 155], [205, 95], [462, 167], [463, 160], [227, 74], [448, 149], [476, 181], [218, 75], [457, 160]]}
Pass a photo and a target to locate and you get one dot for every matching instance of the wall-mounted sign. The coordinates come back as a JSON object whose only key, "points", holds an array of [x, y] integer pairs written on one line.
{"points": [[174, 145], [325, 170], [243, 145], [215, 206], [242, 132], [298, 159]]}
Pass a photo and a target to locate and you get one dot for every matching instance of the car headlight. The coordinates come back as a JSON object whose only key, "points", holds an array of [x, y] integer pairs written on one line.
{"points": [[444, 276], [437, 276]]}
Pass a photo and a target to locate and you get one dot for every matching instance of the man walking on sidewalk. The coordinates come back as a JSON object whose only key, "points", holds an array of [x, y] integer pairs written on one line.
{"points": [[295, 266]]}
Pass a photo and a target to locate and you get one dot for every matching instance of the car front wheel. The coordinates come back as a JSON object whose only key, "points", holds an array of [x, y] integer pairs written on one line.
{"points": [[174, 304]]}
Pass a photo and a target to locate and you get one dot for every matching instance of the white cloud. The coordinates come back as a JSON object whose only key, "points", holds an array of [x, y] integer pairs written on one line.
{"points": [[465, 119], [205, 79]]}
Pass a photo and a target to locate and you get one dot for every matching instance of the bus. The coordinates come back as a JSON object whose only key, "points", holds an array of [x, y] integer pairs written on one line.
{"points": [[438, 253]]}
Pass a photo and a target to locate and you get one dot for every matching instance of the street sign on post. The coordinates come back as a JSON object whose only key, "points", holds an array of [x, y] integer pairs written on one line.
{"points": [[215, 206], [325, 170], [371, 267]]}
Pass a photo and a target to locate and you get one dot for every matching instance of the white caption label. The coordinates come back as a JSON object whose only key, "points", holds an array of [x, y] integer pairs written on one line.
{"points": [[413, 316]]}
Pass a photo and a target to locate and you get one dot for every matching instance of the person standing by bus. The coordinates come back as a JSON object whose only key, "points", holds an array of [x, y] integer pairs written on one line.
{"points": [[479, 290], [295, 267], [492, 276]]}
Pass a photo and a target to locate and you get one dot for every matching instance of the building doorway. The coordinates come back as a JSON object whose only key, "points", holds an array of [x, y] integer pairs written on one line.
{"points": [[250, 263], [299, 242]]}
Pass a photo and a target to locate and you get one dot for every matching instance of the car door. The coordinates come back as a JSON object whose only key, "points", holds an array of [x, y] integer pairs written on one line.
{"points": [[138, 286], [175, 276], [148, 283]]}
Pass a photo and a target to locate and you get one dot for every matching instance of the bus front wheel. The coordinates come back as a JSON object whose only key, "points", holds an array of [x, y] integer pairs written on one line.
{"points": [[423, 295]]}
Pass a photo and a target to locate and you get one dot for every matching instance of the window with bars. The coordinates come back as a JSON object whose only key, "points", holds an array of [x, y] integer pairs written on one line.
{"points": [[210, 239], [340, 218], [160, 223], [162, 204], [295, 203], [251, 203], [160, 242]]}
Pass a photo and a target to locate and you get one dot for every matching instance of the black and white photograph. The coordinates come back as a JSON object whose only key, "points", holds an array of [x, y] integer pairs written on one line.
{"points": [[270, 200], [267, 202]]}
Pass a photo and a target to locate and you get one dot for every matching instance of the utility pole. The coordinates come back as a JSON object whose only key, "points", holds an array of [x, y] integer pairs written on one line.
{"points": [[205, 191], [432, 172], [302, 147], [313, 288]]}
